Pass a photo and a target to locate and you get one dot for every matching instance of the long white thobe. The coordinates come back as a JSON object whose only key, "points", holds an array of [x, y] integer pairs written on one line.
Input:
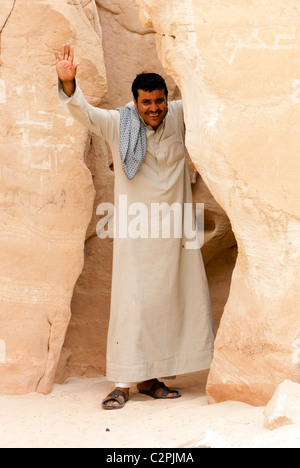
{"points": [[161, 321]]}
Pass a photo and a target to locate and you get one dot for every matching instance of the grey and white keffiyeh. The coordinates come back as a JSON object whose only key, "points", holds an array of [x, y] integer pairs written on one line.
{"points": [[133, 140]]}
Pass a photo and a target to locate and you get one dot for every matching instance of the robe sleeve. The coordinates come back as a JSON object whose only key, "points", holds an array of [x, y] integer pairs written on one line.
{"points": [[178, 114], [102, 122]]}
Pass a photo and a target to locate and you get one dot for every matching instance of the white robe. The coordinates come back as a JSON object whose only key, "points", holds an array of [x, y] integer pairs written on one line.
{"points": [[161, 321]]}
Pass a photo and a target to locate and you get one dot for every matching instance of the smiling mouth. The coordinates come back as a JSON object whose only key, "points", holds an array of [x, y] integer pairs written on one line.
{"points": [[153, 116]]}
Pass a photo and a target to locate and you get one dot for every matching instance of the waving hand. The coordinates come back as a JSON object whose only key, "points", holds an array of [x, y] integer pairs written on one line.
{"points": [[66, 68]]}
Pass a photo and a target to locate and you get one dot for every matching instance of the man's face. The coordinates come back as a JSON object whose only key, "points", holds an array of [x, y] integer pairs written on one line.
{"points": [[152, 106]]}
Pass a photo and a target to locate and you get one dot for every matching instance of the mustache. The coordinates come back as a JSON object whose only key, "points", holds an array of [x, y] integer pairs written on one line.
{"points": [[156, 112]]}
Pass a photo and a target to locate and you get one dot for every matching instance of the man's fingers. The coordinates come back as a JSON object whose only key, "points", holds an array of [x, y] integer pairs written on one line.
{"points": [[67, 53], [71, 54]]}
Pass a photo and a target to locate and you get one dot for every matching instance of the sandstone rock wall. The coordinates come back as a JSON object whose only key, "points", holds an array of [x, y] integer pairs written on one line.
{"points": [[46, 191], [237, 66]]}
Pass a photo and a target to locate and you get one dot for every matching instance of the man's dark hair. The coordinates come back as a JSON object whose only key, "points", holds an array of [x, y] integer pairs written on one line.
{"points": [[148, 82]]}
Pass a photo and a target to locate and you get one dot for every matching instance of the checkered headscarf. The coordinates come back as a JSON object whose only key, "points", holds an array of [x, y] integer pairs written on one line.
{"points": [[133, 140]]}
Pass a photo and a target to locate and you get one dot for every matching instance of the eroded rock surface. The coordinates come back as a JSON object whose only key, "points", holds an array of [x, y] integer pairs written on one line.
{"points": [[237, 66], [46, 191], [284, 407]]}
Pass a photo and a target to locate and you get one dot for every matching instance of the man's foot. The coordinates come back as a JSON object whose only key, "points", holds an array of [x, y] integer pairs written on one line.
{"points": [[116, 399], [157, 390]]}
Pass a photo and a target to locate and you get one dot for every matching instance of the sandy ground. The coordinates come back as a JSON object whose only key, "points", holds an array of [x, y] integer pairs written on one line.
{"points": [[72, 417]]}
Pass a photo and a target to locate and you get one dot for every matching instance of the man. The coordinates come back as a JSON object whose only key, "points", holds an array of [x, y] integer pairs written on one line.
{"points": [[161, 321]]}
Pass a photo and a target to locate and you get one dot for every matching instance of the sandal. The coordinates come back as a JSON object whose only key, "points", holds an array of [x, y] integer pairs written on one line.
{"points": [[115, 396], [164, 396]]}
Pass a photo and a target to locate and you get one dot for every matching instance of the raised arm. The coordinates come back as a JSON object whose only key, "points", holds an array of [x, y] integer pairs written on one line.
{"points": [[105, 123], [66, 68]]}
